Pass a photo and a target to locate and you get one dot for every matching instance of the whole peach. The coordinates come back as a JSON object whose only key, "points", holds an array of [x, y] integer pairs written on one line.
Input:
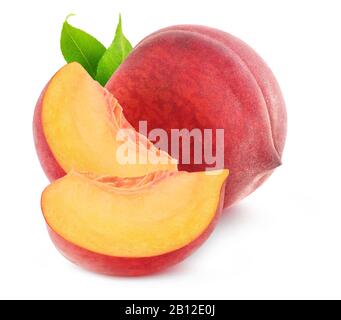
{"points": [[198, 77]]}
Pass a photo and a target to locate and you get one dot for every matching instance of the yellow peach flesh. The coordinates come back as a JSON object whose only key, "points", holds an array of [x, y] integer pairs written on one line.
{"points": [[143, 217], [81, 121]]}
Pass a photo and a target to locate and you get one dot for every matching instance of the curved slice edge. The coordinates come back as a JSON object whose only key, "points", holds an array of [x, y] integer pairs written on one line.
{"points": [[47, 160]]}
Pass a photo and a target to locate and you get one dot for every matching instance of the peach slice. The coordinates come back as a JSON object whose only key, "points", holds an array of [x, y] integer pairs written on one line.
{"points": [[77, 124], [132, 226]]}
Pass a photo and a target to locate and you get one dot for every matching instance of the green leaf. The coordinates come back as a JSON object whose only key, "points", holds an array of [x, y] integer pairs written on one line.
{"points": [[79, 46], [114, 56]]}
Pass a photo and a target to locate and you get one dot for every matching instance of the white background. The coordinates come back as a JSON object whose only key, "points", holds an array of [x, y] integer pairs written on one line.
{"points": [[282, 242]]}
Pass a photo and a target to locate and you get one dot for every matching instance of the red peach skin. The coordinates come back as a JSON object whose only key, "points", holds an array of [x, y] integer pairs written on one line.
{"points": [[199, 77]]}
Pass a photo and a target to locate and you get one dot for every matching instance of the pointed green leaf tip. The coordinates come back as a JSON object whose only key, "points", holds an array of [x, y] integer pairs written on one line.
{"points": [[114, 56], [79, 46]]}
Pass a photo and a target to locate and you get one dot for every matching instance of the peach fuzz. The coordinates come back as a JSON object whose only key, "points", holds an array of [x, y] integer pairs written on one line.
{"points": [[132, 226], [198, 77]]}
